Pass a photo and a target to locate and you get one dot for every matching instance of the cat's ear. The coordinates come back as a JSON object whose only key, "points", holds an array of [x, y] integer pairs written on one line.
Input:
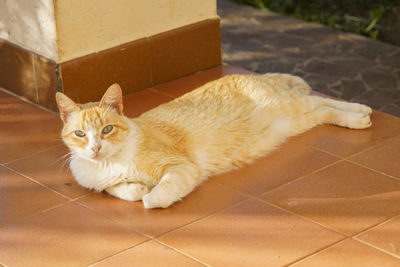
{"points": [[113, 98], [66, 106]]}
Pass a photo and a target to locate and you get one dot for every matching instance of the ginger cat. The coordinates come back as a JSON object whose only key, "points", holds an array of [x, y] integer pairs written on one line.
{"points": [[162, 155]]}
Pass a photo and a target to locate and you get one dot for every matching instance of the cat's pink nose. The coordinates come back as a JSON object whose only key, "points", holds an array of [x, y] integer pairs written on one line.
{"points": [[96, 149]]}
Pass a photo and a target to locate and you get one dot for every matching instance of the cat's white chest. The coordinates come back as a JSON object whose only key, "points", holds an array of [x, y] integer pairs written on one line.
{"points": [[99, 176]]}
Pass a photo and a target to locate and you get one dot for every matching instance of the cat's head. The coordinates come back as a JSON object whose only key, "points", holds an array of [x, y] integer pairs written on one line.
{"points": [[94, 131]]}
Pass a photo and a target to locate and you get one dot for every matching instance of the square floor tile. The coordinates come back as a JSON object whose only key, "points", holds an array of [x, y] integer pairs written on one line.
{"points": [[250, 234], [289, 162], [345, 197], [69, 235], [385, 236], [384, 158], [350, 253], [150, 253], [51, 168], [137, 103], [206, 199], [20, 197], [25, 129], [345, 142]]}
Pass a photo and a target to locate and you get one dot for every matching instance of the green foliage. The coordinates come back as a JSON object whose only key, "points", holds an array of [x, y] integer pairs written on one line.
{"points": [[377, 19]]}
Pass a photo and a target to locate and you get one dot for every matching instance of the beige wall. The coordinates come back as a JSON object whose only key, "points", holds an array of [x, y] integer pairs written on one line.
{"points": [[30, 24], [88, 26], [62, 30]]}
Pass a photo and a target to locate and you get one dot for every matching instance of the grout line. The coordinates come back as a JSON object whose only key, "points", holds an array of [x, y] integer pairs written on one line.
{"points": [[130, 228], [35, 214], [35, 78], [118, 253], [28, 101], [374, 170], [246, 198], [327, 152], [375, 226], [377, 248], [373, 146], [303, 217], [181, 252], [248, 195], [32, 154], [361, 151], [3, 265], [81, 196], [308, 219], [301, 177], [37, 182], [337, 161], [149, 50], [346, 236], [141, 243], [162, 93], [318, 252], [203, 217]]}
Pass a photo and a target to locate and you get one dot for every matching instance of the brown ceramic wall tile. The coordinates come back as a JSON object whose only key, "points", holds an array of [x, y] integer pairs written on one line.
{"points": [[86, 79], [16, 71], [135, 66], [185, 50], [46, 81]]}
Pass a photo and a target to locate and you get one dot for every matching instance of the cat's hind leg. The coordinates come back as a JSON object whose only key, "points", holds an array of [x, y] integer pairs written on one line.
{"points": [[346, 106], [176, 183], [320, 114], [341, 113], [349, 119], [128, 191]]}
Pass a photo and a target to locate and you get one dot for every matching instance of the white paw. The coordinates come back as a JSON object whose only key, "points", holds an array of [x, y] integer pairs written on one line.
{"points": [[359, 121], [128, 191], [157, 199], [364, 109]]}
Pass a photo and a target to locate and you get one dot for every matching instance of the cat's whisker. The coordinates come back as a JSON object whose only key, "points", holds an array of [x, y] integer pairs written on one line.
{"points": [[66, 159], [60, 158]]}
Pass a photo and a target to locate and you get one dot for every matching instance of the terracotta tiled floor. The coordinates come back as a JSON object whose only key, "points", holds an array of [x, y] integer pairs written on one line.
{"points": [[329, 197]]}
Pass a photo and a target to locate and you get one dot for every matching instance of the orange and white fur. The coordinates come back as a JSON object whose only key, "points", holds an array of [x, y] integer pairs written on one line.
{"points": [[162, 155]]}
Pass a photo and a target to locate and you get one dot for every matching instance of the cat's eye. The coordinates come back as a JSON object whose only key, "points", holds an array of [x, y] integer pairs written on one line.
{"points": [[107, 129], [80, 133]]}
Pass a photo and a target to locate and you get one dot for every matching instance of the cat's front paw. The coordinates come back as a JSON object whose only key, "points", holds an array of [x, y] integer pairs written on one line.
{"points": [[128, 191], [157, 198]]}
